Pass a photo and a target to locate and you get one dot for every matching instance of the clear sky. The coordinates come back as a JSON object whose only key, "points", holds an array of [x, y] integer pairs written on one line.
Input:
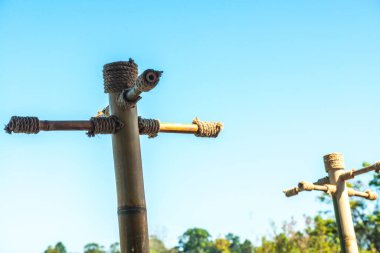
{"points": [[291, 81]]}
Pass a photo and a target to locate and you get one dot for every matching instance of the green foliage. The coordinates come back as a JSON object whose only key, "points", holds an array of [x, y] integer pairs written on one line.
{"points": [[115, 248], [222, 245], [58, 248], [94, 248], [195, 240], [156, 245]]}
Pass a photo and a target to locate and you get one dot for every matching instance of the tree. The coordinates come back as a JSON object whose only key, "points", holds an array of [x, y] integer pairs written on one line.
{"points": [[195, 240], [93, 248], [58, 248], [222, 245], [115, 247], [236, 246], [156, 245]]}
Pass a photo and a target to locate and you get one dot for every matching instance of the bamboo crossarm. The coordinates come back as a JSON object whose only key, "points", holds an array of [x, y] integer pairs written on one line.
{"points": [[166, 127], [144, 83], [146, 126], [295, 190], [353, 173], [329, 189]]}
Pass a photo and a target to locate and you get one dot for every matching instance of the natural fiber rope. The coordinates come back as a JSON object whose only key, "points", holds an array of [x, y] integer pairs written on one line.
{"points": [[119, 76], [333, 161], [330, 189], [377, 166], [28, 125], [291, 192], [306, 186], [105, 125], [371, 195], [207, 129], [150, 127]]}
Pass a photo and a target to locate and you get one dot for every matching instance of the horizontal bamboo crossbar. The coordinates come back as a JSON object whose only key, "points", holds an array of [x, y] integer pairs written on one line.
{"points": [[178, 128], [34, 125], [46, 125], [353, 173], [327, 188]]}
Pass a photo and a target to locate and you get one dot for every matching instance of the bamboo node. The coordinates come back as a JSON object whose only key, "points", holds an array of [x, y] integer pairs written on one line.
{"points": [[105, 125], [28, 125], [207, 129]]}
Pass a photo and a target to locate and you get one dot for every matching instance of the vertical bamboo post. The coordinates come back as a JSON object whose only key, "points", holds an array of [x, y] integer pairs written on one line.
{"points": [[339, 226], [133, 226], [334, 166]]}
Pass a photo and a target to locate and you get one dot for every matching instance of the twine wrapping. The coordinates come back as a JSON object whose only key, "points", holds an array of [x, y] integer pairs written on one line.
{"points": [[291, 192], [377, 166], [306, 186], [119, 76], [150, 127], [144, 83], [28, 125], [371, 195], [207, 129], [333, 161], [105, 125]]}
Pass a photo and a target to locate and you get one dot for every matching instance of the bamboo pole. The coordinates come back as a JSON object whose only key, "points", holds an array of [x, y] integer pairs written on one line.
{"points": [[133, 225], [339, 226], [353, 173], [45, 125], [87, 125], [145, 82], [178, 128], [335, 167]]}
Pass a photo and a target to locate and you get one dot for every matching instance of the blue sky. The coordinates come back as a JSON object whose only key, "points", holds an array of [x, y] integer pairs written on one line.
{"points": [[291, 81]]}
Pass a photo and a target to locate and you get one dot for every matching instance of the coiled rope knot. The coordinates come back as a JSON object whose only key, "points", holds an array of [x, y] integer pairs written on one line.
{"points": [[150, 127], [377, 166], [28, 125], [207, 129], [105, 125], [306, 186], [119, 76], [371, 195]]}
